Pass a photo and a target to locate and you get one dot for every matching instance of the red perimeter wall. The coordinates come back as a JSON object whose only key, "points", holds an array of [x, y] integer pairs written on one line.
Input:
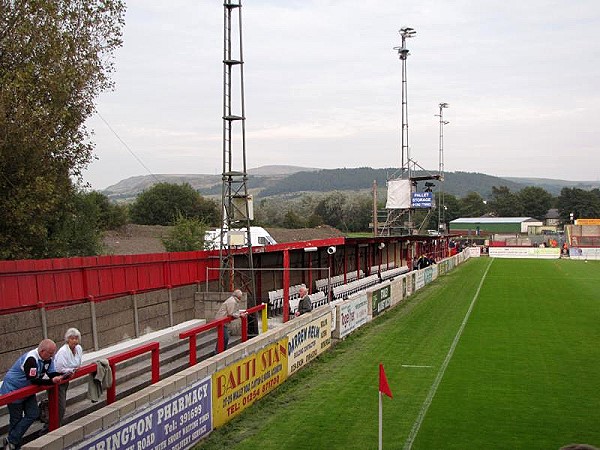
{"points": [[29, 284]]}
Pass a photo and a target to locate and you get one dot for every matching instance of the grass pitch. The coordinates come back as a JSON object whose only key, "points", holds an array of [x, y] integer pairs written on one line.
{"points": [[498, 354]]}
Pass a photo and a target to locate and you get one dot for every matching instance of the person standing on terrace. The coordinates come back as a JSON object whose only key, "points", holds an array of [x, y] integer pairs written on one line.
{"points": [[66, 362], [229, 308]]}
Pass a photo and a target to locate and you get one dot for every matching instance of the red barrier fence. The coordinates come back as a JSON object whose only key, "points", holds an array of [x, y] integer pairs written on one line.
{"points": [[219, 324], [152, 347], [28, 284]]}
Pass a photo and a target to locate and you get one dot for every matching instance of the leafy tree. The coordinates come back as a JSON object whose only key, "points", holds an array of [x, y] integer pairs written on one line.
{"points": [[77, 230], [293, 220], [583, 204], [111, 215], [55, 58], [452, 207], [424, 221], [331, 209], [504, 203], [163, 202], [187, 235], [535, 201], [359, 213], [472, 205]]}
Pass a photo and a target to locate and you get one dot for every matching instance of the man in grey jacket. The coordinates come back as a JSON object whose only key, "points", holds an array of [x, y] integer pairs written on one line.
{"points": [[305, 304]]}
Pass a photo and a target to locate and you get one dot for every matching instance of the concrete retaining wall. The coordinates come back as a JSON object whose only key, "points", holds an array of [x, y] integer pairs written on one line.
{"points": [[116, 320]]}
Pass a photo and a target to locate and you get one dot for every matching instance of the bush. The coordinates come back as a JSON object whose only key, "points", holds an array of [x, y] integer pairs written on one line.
{"points": [[187, 235], [161, 204]]}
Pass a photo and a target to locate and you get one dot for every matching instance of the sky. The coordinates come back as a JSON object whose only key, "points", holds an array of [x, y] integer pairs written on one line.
{"points": [[323, 87]]}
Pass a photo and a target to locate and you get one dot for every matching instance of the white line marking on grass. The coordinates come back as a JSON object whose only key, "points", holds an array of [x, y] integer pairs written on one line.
{"points": [[415, 366], [438, 379]]}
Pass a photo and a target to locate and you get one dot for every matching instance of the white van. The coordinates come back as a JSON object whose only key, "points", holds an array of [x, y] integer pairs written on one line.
{"points": [[238, 238]]}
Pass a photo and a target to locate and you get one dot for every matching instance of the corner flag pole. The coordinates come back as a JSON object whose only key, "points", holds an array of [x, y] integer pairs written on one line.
{"points": [[380, 423], [384, 388]]}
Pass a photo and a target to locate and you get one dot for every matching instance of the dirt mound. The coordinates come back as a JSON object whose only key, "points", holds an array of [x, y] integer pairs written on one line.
{"points": [[134, 239], [282, 235]]}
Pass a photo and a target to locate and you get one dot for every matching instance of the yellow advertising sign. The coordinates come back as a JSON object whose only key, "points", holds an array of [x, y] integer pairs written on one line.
{"points": [[239, 385], [587, 221], [308, 342]]}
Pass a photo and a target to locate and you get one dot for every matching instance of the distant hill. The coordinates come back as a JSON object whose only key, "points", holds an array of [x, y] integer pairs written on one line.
{"points": [[206, 184], [269, 181], [278, 170], [555, 186]]}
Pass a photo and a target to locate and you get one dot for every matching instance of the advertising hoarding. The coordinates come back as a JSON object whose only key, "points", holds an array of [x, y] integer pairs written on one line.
{"points": [[175, 423], [308, 342], [242, 383], [422, 200], [351, 315], [381, 299], [419, 280], [524, 252]]}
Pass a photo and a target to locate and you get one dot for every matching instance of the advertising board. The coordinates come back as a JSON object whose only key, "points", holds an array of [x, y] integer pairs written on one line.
{"points": [[524, 252], [584, 253], [242, 383], [474, 252], [422, 200], [308, 342], [352, 314], [175, 423], [427, 275], [381, 300], [587, 221], [419, 279]]}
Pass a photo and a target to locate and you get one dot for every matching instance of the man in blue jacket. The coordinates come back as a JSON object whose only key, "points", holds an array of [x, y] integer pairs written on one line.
{"points": [[34, 367]]}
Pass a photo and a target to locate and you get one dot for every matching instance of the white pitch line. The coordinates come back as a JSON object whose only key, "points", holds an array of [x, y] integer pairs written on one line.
{"points": [[415, 366], [438, 379]]}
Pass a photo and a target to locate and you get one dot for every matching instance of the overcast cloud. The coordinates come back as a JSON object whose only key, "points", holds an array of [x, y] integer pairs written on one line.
{"points": [[323, 87]]}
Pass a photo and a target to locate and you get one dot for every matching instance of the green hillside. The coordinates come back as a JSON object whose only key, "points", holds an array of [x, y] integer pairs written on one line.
{"points": [[289, 180]]}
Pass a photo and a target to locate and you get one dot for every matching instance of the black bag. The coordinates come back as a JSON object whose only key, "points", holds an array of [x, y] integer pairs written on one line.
{"points": [[44, 411]]}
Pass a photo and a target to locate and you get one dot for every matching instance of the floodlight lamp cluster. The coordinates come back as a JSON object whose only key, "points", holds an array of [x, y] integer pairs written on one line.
{"points": [[405, 32], [444, 105]]}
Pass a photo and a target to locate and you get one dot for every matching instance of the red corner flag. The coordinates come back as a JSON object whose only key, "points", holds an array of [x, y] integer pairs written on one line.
{"points": [[384, 387]]}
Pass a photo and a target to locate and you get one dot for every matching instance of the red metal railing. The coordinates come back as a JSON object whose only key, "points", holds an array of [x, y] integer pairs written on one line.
{"points": [[192, 333], [113, 360], [152, 347]]}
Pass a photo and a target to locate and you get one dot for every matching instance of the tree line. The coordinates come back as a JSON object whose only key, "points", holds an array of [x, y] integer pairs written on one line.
{"points": [[352, 212], [78, 232]]}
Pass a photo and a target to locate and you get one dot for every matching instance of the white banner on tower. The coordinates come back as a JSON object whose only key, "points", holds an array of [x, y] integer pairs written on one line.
{"points": [[398, 194]]}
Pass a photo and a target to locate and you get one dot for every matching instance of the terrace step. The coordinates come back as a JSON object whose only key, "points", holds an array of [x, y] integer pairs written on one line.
{"points": [[132, 376]]}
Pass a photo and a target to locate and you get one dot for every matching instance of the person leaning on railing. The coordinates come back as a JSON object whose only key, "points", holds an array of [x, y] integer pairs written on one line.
{"points": [[34, 367], [229, 308], [66, 362]]}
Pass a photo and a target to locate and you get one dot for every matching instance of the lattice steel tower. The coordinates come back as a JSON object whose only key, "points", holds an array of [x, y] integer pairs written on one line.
{"points": [[236, 211], [399, 221], [403, 53], [441, 205]]}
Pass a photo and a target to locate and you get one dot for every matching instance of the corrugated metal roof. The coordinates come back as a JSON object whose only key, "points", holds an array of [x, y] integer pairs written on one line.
{"points": [[493, 220]]}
